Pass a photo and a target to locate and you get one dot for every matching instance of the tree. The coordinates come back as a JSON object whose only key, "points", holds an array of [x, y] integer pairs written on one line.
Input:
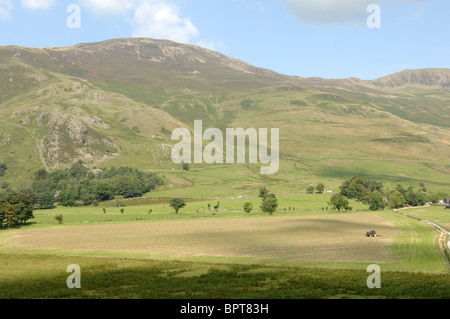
{"points": [[358, 188], [129, 187], [78, 170], [59, 218], [177, 204], [22, 206], [10, 216], [2, 213], [217, 206], [45, 200], [88, 199], [338, 202], [263, 192], [186, 167], [3, 169], [375, 186], [396, 199], [414, 198], [423, 189], [248, 207], [310, 190], [433, 198], [103, 192], [376, 202], [269, 204], [320, 188], [402, 190]]}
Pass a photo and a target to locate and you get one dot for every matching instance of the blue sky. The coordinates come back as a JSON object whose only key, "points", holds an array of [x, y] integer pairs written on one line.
{"points": [[324, 38]]}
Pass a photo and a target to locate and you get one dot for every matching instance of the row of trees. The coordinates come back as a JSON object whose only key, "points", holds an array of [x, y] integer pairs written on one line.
{"points": [[178, 203], [320, 188], [377, 197], [269, 202]]}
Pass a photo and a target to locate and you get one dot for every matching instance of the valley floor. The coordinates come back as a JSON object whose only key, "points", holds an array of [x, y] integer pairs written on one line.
{"points": [[292, 255]]}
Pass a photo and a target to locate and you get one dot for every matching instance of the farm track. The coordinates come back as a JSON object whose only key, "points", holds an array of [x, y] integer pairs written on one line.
{"points": [[219, 198], [370, 158], [311, 157]]}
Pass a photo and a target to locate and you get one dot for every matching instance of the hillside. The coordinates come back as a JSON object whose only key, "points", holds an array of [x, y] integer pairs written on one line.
{"points": [[117, 102]]}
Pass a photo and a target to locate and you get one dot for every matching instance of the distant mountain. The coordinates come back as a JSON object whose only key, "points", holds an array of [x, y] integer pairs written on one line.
{"points": [[116, 103], [425, 78]]}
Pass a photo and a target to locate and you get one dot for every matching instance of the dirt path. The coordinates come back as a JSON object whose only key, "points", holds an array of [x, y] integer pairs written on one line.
{"points": [[444, 231], [38, 145], [368, 158], [312, 157]]}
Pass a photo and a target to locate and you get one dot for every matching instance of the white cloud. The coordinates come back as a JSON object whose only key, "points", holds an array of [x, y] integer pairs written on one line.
{"points": [[6, 7], [38, 4], [333, 12], [150, 18], [159, 19], [330, 12]]}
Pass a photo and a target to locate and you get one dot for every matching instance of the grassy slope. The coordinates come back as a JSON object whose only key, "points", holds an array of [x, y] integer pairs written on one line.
{"points": [[196, 208], [296, 175]]}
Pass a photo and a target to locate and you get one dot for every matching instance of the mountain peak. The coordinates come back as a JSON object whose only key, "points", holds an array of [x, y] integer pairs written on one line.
{"points": [[427, 78]]}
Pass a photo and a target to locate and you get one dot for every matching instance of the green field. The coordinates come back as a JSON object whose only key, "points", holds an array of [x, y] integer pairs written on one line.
{"points": [[435, 214], [306, 253], [137, 209]]}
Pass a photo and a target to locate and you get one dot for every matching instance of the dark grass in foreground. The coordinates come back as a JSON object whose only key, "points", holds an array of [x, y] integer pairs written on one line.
{"points": [[41, 277]]}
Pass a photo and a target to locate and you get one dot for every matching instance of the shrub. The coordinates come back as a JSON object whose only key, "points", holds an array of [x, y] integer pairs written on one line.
{"points": [[59, 218]]}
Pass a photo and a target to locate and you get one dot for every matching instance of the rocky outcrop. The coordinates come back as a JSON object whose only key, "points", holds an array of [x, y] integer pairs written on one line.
{"points": [[73, 136]]}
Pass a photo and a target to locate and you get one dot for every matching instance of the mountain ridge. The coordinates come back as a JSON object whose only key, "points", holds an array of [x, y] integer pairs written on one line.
{"points": [[172, 50]]}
